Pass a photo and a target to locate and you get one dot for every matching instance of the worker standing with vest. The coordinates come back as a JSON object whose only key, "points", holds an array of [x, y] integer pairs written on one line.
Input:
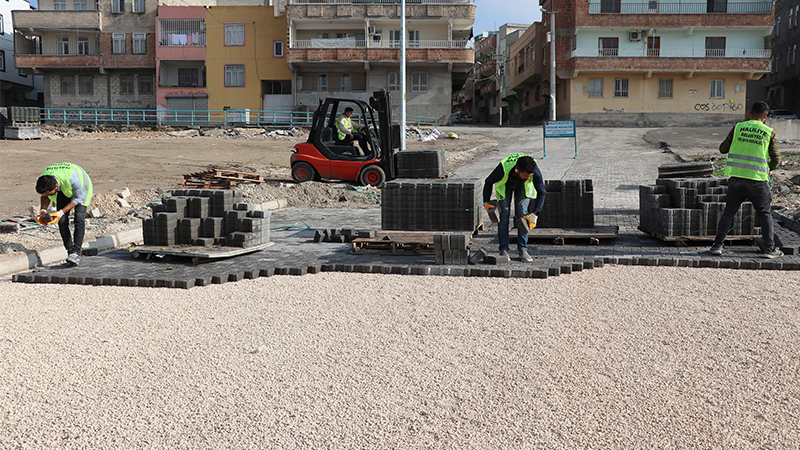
{"points": [[519, 177], [749, 145], [345, 126], [69, 187]]}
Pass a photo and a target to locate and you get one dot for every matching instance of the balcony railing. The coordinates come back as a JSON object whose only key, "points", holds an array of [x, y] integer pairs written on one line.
{"points": [[657, 7], [366, 43], [385, 2], [673, 52]]}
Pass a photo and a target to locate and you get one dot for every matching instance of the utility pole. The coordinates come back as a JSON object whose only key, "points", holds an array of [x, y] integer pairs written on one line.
{"points": [[552, 61], [402, 75]]}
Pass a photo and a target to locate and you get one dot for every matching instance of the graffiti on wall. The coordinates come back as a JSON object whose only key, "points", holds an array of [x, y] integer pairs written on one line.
{"points": [[617, 111], [731, 106]]}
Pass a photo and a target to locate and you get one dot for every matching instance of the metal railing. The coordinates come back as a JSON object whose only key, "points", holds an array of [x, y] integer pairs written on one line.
{"points": [[673, 52], [149, 117], [658, 7], [367, 43]]}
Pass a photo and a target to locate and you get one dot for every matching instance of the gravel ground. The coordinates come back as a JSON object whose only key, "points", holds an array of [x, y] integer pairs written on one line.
{"points": [[611, 358]]}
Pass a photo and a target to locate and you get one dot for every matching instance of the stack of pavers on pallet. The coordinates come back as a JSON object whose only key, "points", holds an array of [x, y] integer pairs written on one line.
{"points": [[676, 207], [569, 204], [20, 122], [451, 248], [432, 204], [205, 217], [420, 164]]}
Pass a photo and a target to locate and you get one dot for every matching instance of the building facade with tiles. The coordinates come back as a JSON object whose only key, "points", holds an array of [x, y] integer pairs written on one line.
{"points": [[646, 62]]}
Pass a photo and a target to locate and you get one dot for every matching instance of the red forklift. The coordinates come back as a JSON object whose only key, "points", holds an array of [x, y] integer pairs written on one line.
{"points": [[323, 155]]}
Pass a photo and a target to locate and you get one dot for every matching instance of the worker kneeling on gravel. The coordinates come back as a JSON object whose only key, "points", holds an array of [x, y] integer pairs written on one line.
{"points": [[519, 177], [748, 146], [69, 187]]}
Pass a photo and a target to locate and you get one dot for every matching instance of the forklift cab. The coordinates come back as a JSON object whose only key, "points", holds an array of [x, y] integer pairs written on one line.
{"points": [[325, 137]]}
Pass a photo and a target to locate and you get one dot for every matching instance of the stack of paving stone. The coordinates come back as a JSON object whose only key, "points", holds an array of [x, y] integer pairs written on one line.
{"points": [[676, 207], [204, 217], [432, 204], [451, 248], [420, 164], [569, 204], [20, 122]]}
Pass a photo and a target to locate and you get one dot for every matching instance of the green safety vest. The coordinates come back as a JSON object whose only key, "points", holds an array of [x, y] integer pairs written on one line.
{"points": [[348, 124], [63, 173], [508, 163], [749, 152]]}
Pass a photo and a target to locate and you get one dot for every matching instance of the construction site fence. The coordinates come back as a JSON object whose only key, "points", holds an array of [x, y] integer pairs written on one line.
{"points": [[204, 118]]}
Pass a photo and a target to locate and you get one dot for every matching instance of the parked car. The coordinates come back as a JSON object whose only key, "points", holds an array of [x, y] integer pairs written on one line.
{"points": [[781, 114], [460, 117]]}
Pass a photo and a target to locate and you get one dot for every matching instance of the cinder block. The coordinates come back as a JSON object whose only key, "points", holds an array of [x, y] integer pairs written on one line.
{"points": [[478, 256]]}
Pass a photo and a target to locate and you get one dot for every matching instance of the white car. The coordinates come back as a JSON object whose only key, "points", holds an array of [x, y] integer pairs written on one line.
{"points": [[781, 114]]}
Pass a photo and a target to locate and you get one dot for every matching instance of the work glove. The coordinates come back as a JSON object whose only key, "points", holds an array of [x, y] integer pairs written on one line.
{"points": [[46, 218], [489, 207], [491, 210]]}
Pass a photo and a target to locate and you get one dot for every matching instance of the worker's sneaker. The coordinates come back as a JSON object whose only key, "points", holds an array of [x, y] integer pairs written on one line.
{"points": [[504, 253], [716, 250], [524, 256], [775, 253], [73, 259]]}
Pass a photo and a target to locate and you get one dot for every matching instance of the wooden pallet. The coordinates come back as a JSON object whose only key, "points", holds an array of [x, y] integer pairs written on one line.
{"points": [[207, 184], [218, 179], [239, 176], [398, 243]]}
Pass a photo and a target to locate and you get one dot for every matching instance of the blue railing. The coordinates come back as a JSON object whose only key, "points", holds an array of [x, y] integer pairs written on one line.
{"points": [[99, 116]]}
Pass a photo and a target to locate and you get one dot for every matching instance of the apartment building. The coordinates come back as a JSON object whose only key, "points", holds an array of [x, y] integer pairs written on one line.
{"points": [[91, 54], [525, 78], [352, 48], [651, 62], [180, 59], [783, 81], [17, 87]]}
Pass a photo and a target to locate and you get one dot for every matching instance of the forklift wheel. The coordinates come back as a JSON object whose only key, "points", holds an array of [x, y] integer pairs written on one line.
{"points": [[302, 172], [373, 176]]}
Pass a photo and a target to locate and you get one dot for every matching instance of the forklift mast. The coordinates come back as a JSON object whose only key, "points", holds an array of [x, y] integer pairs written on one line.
{"points": [[381, 102]]}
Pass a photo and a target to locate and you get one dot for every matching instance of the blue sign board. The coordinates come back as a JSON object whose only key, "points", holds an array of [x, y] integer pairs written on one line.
{"points": [[559, 128]]}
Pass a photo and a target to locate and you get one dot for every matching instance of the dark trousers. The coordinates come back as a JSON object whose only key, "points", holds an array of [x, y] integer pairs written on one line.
{"points": [[362, 141], [72, 246], [520, 209], [739, 190]]}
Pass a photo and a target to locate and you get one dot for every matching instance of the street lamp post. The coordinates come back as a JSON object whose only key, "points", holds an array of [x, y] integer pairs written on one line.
{"points": [[552, 62]]}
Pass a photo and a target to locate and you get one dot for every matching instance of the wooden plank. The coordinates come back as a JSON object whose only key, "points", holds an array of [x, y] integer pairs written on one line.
{"points": [[239, 176], [602, 232], [214, 252]]}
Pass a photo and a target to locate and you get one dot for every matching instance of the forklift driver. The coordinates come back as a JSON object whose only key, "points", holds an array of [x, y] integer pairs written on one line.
{"points": [[344, 129]]}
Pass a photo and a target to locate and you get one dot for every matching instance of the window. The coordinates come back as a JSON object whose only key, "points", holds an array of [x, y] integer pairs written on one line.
{"points": [[138, 6], [527, 97], [413, 38], [1, 24], [793, 55], [419, 82], [608, 46], [22, 73], [621, 87], [234, 75], [299, 83], [654, 46], [117, 6], [60, 5], [279, 87], [187, 77], [609, 6], [80, 5], [145, 84], [715, 46], [323, 35], [139, 43], [394, 82], [63, 45], [83, 45], [67, 84], [118, 43], [85, 84], [2, 60], [595, 87], [376, 37], [537, 94], [322, 82], [341, 35], [277, 49], [394, 38], [716, 6], [717, 88], [778, 26], [126, 84], [234, 34], [665, 88], [346, 86]]}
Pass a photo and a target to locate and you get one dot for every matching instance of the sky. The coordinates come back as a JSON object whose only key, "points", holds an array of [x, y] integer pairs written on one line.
{"points": [[491, 14]]}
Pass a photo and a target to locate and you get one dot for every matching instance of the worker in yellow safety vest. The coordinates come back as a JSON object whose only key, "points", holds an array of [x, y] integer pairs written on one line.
{"points": [[345, 127], [752, 153], [516, 176], [68, 186]]}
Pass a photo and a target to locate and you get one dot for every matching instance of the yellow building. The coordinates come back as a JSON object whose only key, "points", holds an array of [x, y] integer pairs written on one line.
{"points": [[246, 62]]}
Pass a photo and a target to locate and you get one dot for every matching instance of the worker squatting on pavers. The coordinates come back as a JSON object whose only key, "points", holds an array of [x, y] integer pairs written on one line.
{"points": [[516, 176], [70, 188], [748, 146]]}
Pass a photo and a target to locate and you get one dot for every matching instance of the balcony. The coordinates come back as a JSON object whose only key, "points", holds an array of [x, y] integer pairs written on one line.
{"points": [[62, 20], [360, 50], [673, 53], [688, 7], [364, 43], [385, 2]]}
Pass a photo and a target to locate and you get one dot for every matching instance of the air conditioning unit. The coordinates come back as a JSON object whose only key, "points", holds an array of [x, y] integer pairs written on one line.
{"points": [[635, 35], [371, 29]]}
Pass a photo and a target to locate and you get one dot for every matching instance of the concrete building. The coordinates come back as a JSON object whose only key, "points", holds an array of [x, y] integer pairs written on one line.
{"points": [[91, 54], [344, 49], [180, 60], [651, 63], [525, 78], [17, 87], [783, 81]]}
